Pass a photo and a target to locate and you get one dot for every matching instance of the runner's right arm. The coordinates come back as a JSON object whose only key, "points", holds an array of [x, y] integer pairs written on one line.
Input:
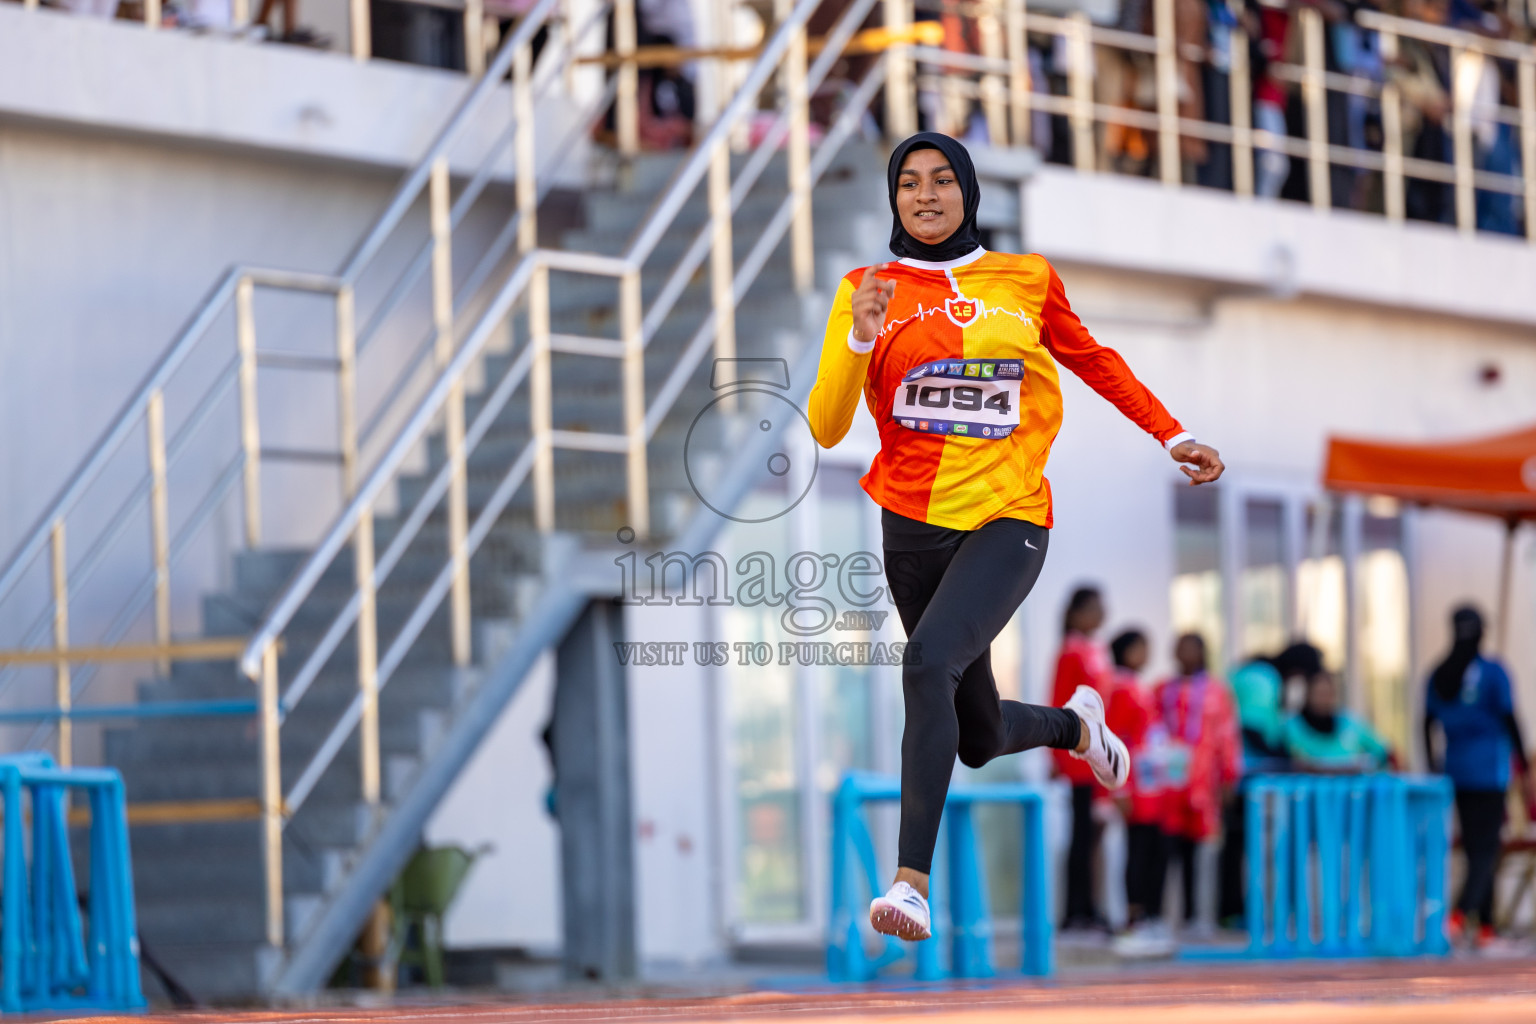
{"points": [[845, 356]]}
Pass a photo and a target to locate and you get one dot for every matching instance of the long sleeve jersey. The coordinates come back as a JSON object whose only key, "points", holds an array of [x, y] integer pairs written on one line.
{"points": [[962, 382]]}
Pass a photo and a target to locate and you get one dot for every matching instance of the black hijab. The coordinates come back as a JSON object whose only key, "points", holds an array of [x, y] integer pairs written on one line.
{"points": [[1467, 632], [967, 237]]}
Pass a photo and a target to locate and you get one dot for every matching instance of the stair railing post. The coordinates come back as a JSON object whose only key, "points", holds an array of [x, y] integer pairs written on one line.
{"points": [[361, 29], [722, 262], [541, 402], [1466, 69], [1393, 199], [367, 655], [1018, 72], [900, 104], [1528, 140], [634, 402], [523, 146], [1314, 89], [440, 209], [346, 388], [1169, 165], [626, 104], [802, 251], [1241, 102], [271, 797], [63, 698], [159, 522], [250, 421], [1080, 46]]}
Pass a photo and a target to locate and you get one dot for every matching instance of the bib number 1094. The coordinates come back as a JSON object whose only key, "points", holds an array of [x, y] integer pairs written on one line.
{"points": [[966, 397], [960, 397]]}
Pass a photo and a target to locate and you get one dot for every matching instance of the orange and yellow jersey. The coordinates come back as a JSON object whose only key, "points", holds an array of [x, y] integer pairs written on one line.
{"points": [[962, 382]]}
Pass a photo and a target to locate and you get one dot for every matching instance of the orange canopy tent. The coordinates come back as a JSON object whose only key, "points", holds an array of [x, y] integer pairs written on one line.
{"points": [[1493, 476]]}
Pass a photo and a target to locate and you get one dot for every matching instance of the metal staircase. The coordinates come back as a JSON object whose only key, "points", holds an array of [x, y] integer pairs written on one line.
{"points": [[544, 413]]}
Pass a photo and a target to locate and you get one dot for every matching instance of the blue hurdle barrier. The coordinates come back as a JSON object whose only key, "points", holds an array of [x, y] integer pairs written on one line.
{"points": [[49, 958], [1347, 866], [957, 890]]}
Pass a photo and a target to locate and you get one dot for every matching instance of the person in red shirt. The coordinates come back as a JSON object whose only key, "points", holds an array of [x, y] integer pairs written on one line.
{"points": [[1204, 756], [1081, 663], [1132, 714]]}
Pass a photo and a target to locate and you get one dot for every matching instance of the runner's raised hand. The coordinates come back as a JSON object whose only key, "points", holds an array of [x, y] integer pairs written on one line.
{"points": [[869, 303]]}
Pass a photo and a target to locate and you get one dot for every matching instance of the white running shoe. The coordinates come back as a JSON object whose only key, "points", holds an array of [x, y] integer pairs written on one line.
{"points": [[902, 912], [1106, 753]]}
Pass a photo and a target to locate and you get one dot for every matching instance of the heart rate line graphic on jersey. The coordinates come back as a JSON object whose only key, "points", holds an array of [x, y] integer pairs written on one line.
{"points": [[960, 397], [777, 438]]}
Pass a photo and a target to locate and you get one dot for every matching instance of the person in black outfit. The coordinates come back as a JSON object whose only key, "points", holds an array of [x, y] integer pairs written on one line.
{"points": [[1470, 703]]}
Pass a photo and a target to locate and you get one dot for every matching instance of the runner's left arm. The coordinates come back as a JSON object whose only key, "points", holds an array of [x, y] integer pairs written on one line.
{"points": [[1102, 368]]}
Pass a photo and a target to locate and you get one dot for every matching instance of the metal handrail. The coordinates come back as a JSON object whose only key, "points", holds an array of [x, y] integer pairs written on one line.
{"points": [[661, 216]]}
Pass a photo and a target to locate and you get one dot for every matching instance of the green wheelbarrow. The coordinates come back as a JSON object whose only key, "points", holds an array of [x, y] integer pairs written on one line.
{"points": [[419, 899]]}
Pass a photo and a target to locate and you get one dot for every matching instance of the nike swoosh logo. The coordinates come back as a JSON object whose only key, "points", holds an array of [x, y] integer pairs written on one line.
{"points": [[1029, 545]]}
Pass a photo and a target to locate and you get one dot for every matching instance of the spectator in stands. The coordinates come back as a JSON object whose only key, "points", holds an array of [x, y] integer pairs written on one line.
{"points": [[293, 32], [1355, 52], [1081, 663], [1204, 758], [1322, 738], [1269, 28], [1256, 686], [1191, 31], [1221, 21], [1470, 704], [1297, 664], [665, 100], [1422, 74], [1132, 714]]}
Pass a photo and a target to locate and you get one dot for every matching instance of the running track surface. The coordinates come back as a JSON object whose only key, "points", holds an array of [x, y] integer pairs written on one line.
{"points": [[1485, 992]]}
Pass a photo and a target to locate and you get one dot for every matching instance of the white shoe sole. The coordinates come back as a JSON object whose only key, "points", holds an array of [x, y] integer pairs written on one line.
{"points": [[889, 919], [1091, 709]]}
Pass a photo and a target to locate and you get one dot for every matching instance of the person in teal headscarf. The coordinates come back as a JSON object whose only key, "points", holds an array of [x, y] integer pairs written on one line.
{"points": [[1324, 739], [1256, 687]]}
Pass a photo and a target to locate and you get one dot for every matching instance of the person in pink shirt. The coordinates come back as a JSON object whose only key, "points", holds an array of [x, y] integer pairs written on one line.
{"points": [[1204, 756]]}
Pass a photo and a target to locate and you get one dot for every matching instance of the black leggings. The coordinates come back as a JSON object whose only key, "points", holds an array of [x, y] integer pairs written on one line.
{"points": [[1482, 819], [955, 590]]}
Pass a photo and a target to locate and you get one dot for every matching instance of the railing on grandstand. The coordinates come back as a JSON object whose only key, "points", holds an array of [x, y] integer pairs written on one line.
{"points": [[999, 80]]}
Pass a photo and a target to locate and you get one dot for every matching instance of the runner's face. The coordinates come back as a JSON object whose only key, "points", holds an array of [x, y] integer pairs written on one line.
{"points": [[928, 197]]}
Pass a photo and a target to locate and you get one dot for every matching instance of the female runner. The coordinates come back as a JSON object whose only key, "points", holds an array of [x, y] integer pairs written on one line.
{"points": [[955, 350]]}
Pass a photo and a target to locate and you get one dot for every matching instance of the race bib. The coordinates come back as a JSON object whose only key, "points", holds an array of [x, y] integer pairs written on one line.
{"points": [[966, 397]]}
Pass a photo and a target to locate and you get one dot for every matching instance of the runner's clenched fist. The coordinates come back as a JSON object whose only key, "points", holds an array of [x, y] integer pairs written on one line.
{"points": [[869, 303]]}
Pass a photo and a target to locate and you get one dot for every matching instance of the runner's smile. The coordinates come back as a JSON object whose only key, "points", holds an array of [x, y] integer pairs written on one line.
{"points": [[928, 196]]}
